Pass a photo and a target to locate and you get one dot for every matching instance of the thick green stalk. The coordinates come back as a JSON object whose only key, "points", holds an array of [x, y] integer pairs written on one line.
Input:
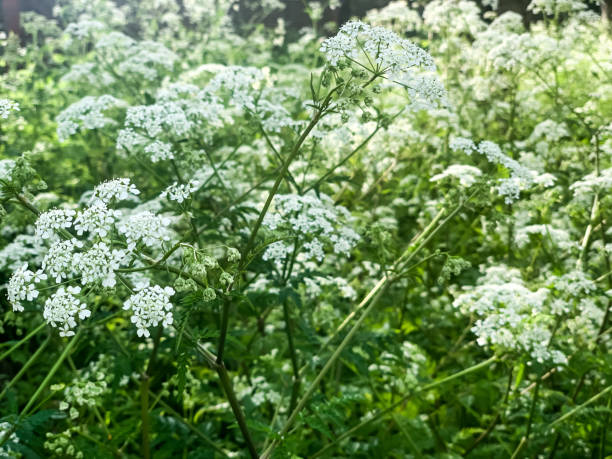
{"points": [[294, 152], [385, 277], [495, 420], [226, 383], [65, 353], [344, 160], [223, 330], [525, 438], [239, 415], [22, 341], [145, 383], [294, 362]]}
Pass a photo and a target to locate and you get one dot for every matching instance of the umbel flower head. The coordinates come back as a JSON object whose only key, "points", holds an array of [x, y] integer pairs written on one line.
{"points": [[7, 106], [383, 53], [21, 286], [149, 307], [313, 220], [391, 54], [62, 307], [88, 247], [118, 189]]}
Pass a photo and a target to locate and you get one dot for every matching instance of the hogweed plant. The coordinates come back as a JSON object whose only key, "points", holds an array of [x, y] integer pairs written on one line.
{"points": [[222, 240]]}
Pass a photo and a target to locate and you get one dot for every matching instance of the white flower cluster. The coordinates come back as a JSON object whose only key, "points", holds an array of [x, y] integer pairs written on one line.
{"points": [[315, 222], [575, 283], [549, 130], [86, 114], [274, 117], [5, 450], [114, 41], [84, 393], [182, 110], [592, 183], [7, 106], [384, 53], [118, 189], [150, 306], [575, 298], [96, 219], [390, 53], [89, 257], [520, 176], [144, 226], [159, 118], [98, 264], [88, 73], [458, 17], [396, 15], [313, 286], [179, 109], [510, 316], [558, 237], [508, 49], [159, 151], [81, 30], [466, 175], [63, 307], [25, 247], [551, 7], [88, 387], [145, 58], [21, 286], [50, 222], [58, 261], [6, 168], [425, 91], [180, 192], [241, 83], [129, 58]]}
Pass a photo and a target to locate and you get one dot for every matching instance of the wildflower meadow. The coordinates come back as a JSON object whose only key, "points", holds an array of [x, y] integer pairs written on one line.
{"points": [[386, 235]]}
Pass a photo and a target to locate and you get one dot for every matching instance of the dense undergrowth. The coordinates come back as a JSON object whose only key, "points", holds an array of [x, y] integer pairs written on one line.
{"points": [[226, 240]]}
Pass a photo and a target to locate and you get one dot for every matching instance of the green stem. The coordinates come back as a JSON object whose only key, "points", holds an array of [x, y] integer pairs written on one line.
{"points": [[52, 371], [144, 395], [189, 425], [223, 331], [22, 341], [144, 415], [226, 383], [604, 432], [313, 386], [280, 178], [525, 438], [345, 159], [25, 367], [294, 361], [391, 407], [580, 407], [43, 385], [239, 415]]}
